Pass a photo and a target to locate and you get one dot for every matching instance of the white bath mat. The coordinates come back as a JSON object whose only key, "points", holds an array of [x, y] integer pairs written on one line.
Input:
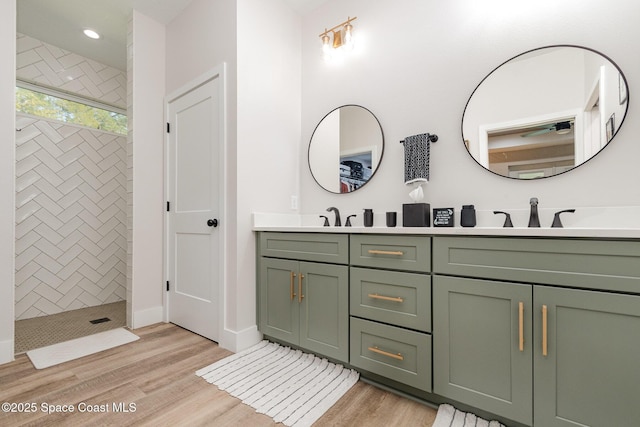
{"points": [[448, 416], [55, 354], [290, 386]]}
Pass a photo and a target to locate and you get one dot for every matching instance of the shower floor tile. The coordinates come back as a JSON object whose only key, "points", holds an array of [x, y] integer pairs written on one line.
{"points": [[46, 330]]}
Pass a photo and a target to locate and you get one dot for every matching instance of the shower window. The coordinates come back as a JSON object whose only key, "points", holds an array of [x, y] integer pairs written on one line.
{"points": [[51, 105]]}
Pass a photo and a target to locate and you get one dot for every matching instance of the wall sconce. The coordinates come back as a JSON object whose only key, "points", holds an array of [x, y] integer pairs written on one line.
{"points": [[342, 38]]}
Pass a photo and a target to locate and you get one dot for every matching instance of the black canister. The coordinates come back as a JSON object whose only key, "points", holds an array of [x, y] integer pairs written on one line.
{"points": [[368, 217], [392, 219], [468, 216]]}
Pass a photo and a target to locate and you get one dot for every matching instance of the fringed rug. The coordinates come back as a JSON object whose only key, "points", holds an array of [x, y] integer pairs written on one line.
{"points": [[290, 386], [448, 416]]}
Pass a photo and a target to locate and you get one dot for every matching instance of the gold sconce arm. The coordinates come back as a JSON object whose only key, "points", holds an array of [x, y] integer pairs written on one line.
{"points": [[348, 21]]}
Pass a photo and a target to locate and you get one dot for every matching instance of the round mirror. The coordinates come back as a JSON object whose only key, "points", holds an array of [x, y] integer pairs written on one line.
{"points": [[346, 149], [545, 112]]}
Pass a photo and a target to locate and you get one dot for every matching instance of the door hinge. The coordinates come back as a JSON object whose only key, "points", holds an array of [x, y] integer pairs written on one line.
{"points": [[167, 286], [168, 128], [168, 206]]}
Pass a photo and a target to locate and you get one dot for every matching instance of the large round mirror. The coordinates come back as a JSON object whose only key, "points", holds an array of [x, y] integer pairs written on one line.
{"points": [[346, 149], [545, 112]]}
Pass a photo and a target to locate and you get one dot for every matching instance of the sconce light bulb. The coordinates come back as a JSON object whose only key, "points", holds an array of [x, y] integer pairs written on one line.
{"points": [[348, 36], [326, 47]]}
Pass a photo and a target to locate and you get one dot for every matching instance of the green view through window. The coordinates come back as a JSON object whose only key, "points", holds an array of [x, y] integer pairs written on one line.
{"points": [[64, 110]]}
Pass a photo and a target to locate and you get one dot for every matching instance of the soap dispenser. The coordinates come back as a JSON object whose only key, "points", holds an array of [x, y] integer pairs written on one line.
{"points": [[468, 216], [368, 217]]}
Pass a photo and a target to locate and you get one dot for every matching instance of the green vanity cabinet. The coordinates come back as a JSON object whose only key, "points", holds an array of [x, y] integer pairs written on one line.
{"points": [[279, 307], [547, 341], [301, 302], [591, 372], [390, 307], [542, 332], [477, 354]]}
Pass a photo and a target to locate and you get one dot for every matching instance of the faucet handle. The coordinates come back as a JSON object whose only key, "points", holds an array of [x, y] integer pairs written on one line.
{"points": [[507, 218], [556, 218], [348, 223], [326, 221]]}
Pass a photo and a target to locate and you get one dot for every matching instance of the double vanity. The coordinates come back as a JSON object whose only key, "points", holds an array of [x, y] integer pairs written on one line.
{"points": [[538, 327], [530, 326]]}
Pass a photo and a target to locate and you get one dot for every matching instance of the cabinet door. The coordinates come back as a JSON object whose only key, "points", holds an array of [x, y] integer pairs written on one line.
{"points": [[591, 373], [279, 307], [477, 358], [324, 309]]}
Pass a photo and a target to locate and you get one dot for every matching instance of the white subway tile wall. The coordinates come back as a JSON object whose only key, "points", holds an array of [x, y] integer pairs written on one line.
{"points": [[42, 63], [71, 212]]}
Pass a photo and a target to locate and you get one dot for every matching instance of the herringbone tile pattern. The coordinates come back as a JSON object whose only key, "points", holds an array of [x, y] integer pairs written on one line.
{"points": [[71, 231], [48, 65]]}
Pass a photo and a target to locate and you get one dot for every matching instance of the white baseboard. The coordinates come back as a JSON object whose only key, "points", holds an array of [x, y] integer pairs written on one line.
{"points": [[6, 351], [240, 340], [149, 316]]}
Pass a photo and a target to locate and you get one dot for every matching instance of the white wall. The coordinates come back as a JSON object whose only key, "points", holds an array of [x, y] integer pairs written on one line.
{"points": [[268, 140], [415, 67], [7, 166], [148, 81]]}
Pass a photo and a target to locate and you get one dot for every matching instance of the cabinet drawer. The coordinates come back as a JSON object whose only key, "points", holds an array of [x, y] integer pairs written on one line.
{"points": [[402, 299], [411, 253], [395, 353], [319, 247], [595, 264]]}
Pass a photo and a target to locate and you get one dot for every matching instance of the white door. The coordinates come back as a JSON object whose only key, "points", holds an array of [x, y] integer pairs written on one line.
{"points": [[194, 236]]}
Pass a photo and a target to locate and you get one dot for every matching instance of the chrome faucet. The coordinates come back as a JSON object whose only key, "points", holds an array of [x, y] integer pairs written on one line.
{"points": [[337, 212], [534, 221]]}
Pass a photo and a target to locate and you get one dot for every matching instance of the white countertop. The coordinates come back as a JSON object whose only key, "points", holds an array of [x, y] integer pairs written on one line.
{"points": [[296, 223]]}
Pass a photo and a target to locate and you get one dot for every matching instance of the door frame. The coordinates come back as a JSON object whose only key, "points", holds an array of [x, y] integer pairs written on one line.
{"points": [[216, 73]]}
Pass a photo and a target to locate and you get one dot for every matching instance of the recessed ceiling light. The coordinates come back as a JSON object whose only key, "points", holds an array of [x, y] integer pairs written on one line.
{"points": [[91, 34]]}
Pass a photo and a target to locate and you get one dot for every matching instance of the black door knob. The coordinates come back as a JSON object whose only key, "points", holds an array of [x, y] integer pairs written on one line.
{"points": [[212, 223]]}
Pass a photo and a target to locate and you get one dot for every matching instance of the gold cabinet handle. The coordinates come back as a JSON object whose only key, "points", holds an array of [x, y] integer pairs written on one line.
{"points": [[293, 295], [379, 252], [397, 356], [300, 296], [521, 326], [544, 330], [382, 297]]}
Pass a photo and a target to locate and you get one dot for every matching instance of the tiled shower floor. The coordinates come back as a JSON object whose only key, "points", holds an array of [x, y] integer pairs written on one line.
{"points": [[46, 330]]}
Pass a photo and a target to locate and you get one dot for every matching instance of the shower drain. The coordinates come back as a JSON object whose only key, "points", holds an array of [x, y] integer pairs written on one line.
{"points": [[101, 320]]}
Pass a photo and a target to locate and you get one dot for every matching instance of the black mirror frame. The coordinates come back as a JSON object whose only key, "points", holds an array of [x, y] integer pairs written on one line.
{"points": [[311, 140], [624, 79]]}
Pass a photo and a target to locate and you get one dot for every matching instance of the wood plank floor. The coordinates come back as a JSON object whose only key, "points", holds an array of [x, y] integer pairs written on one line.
{"points": [[155, 379]]}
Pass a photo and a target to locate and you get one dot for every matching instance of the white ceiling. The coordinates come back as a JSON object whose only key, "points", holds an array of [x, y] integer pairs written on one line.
{"points": [[60, 23]]}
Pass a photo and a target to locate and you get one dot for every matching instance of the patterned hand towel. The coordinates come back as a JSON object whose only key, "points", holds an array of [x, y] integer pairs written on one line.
{"points": [[416, 158]]}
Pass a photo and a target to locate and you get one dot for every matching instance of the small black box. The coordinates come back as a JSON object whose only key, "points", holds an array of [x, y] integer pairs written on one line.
{"points": [[416, 215]]}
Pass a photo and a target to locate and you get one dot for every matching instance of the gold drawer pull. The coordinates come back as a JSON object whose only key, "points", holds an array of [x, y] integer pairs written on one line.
{"points": [[398, 356], [521, 326], [394, 299], [544, 330], [379, 252], [293, 295]]}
